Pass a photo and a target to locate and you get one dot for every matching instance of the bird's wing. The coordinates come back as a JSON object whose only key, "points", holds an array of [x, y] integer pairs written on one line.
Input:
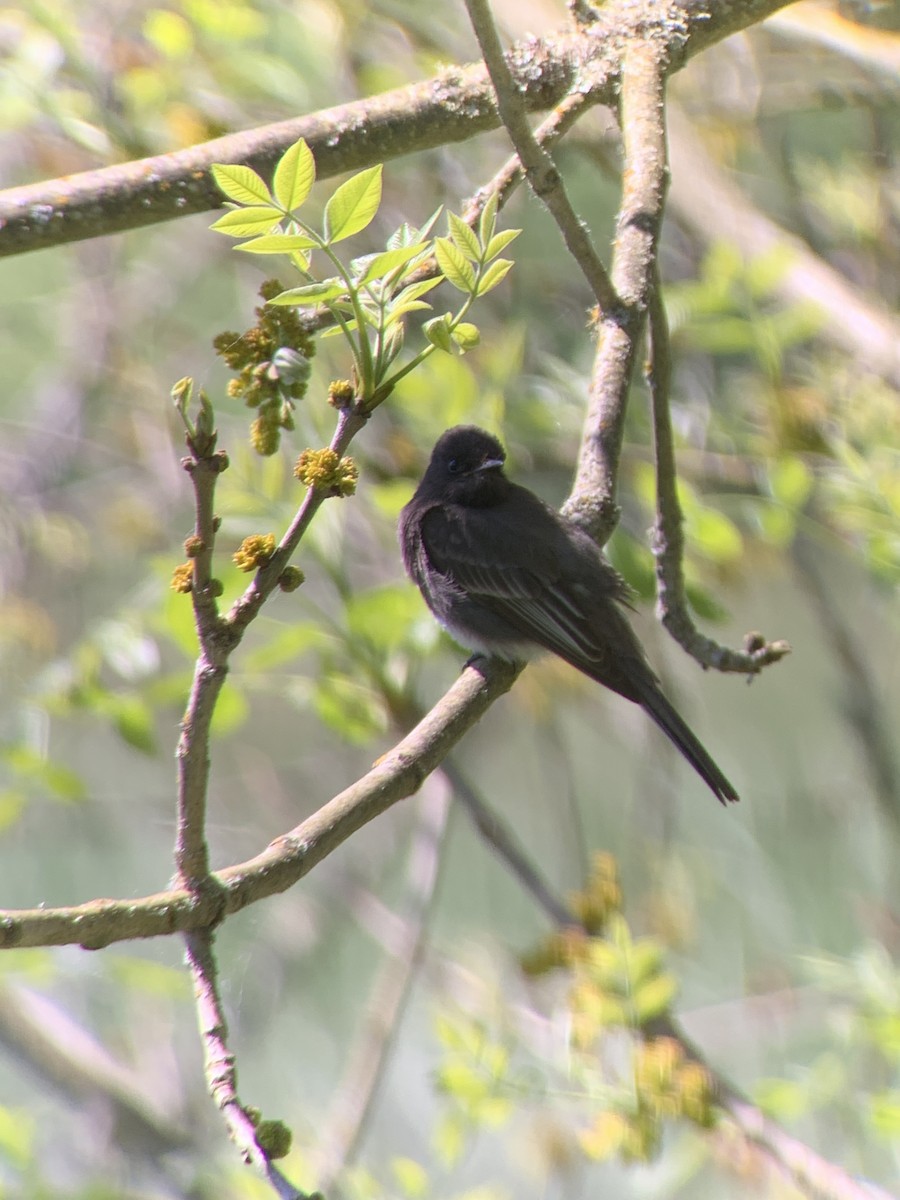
{"points": [[532, 583]]}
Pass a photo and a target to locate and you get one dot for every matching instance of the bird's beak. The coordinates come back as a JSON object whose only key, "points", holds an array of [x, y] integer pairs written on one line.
{"points": [[490, 463]]}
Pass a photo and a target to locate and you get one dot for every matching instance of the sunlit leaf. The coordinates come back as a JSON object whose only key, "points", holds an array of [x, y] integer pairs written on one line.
{"points": [[312, 293], [278, 243], [499, 242], [134, 723], [389, 260], [454, 265], [247, 222], [294, 176], [353, 205], [716, 536], [496, 273], [464, 237], [241, 184]]}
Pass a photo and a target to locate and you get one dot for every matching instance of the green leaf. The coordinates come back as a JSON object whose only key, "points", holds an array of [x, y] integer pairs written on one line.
{"points": [[782, 1099], [294, 176], [464, 238], [278, 243], [134, 723], [241, 184], [353, 205], [454, 265], [450, 1139], [885, 1115], [352, 710], [496, 273], [412, 1178], [653, 997], [382, 264], [312, 293], [499, 242], [716, 536], [791, 481], [488, 218], [437, 331], [247, 222], [466, 335], [396, 311], [414, 290], [381, 615]]}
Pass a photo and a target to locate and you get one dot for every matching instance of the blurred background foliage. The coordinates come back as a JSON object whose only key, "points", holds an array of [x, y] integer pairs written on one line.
{"points": [[779, 922]]}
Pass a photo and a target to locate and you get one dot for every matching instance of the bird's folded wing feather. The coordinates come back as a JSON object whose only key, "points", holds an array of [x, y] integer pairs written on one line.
{"points": [[527, 585]]}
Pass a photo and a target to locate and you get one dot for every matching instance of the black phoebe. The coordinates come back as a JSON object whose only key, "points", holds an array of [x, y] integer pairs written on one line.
{"points": [[508, 576]]}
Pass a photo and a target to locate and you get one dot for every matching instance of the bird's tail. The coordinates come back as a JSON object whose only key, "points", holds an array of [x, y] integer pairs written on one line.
{"points": [[676, 729]]}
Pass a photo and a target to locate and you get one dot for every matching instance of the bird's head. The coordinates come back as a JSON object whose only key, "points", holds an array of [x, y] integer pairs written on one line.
{"points": [[466, 467]]}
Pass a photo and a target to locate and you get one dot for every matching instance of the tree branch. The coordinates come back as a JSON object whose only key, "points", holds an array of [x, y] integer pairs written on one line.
{"points": [[396, 775], [667, 540], [345, 1124], [539, 168], [221, 1075], [644, 176], [850, 321], [449, 108]]}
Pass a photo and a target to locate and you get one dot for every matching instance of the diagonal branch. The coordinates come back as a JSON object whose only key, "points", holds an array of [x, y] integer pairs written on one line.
{"points": [[449, 108], [396, 775], [540, 169], [344, 1126]]}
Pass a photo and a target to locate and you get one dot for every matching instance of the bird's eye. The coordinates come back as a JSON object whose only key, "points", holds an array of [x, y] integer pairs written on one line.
{"points": [[454, 466]]}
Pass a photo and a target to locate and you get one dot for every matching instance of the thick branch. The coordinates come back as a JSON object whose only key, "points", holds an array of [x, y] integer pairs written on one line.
{"points": [[644, 178], [449, 108]]}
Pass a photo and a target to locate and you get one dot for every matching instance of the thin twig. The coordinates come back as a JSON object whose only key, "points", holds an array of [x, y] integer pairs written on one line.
{"points": [[546, 135], [667, 541], [219, 1065], [504, 843], [644, 178], [540, 170], [203, 465]]}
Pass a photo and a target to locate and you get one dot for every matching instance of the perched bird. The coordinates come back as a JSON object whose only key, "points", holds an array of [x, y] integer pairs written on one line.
{"points": [[508, 576]]}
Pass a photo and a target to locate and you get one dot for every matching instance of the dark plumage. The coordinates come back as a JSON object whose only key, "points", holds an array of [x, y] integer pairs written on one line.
{"points": [[508, 576]]}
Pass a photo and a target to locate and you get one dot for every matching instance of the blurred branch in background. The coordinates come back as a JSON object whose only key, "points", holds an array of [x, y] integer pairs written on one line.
{"points": [[344, 1126], [850, 319], [862, 706]]}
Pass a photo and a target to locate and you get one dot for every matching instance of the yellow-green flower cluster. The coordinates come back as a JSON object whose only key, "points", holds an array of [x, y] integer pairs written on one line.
{"points": [[593, 906], [271, 362], [340, 393], [183, 578], [254, 551], [326, 471], [667, 1086]]}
